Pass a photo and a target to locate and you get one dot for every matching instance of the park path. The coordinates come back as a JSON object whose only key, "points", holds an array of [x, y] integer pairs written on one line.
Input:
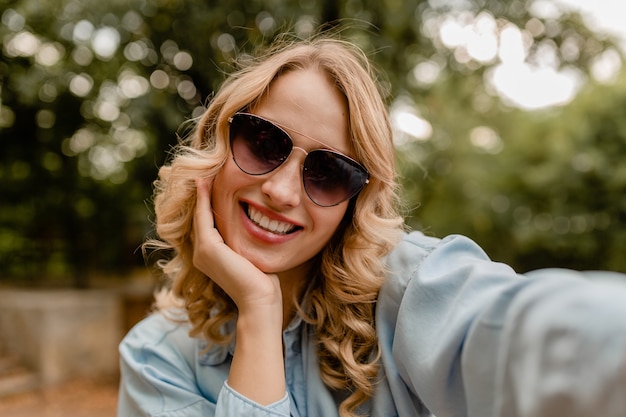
{"points": [[76, 398]]}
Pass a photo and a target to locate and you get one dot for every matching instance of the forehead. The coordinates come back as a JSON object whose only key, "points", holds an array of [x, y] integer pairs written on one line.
{"points": [[306, 102]]}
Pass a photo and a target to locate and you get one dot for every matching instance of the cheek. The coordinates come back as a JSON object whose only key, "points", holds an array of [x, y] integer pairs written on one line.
{"points": [[225, 185], [229, 179], [328, 219]]}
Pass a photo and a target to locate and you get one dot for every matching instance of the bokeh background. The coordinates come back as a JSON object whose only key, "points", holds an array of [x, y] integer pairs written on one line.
{"points": [[509, 118], [509, 115]]}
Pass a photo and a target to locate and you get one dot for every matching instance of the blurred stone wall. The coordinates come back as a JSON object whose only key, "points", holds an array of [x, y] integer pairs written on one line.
{"points": [[67, 333]]}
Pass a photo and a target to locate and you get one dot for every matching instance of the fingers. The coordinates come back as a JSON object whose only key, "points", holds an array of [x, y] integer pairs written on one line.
{"points": [[204, 225], [238, 277], [204, 214]]}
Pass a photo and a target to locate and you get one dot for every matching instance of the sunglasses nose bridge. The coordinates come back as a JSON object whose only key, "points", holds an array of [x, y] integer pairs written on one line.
{"points": [[291, 154], [285, 184], [300, 149]]}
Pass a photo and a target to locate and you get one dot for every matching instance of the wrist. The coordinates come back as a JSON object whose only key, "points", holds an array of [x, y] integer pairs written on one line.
{"points": [[253, 320], [257, 369]]}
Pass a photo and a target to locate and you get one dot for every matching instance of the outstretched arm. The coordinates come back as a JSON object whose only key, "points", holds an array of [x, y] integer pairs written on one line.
{"points": [[470, 337]]}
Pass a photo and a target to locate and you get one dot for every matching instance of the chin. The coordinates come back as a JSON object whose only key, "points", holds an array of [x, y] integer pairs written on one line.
{"points": [[268, 266]]}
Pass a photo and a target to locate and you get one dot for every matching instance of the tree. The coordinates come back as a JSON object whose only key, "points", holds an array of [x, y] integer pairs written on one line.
{"points": [[93, 95]]}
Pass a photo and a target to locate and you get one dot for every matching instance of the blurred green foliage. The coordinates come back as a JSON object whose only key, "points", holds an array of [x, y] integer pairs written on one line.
{"points": [[551, 194], [92, 95]]}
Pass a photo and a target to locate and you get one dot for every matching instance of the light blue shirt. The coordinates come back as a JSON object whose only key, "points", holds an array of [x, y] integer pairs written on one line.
{"points": [[460, 336]]}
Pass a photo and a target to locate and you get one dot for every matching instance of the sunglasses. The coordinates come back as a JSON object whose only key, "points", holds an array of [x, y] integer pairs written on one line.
{"points": [[260, 146]]}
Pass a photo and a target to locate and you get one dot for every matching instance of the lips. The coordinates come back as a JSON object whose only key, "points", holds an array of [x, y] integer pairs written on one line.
{"points": [[271, 225]]}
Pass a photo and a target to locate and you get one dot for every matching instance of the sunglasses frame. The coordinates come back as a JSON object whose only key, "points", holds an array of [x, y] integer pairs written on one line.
{"points": [[328, 149]]}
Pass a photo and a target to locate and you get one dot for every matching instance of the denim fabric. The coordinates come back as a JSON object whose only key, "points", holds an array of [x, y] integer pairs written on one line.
{"points": [[460, 335]]}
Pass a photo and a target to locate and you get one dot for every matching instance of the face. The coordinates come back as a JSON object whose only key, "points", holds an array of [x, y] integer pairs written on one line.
{"points": [[269, 219]]}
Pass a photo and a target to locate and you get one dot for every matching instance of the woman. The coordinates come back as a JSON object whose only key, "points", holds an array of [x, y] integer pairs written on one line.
{"points": [[296, 292]]}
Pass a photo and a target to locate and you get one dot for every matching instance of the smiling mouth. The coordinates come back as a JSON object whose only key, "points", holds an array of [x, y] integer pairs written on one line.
{"points": [[265, 223]]}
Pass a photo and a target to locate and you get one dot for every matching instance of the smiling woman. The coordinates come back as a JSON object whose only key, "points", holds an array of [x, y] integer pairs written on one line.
{"points": [[295, 291], [282, 194]]}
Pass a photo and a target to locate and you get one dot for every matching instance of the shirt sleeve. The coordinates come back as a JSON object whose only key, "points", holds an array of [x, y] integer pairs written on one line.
{"points": [[231, 403], [157, 376], [474, 338], [160, 378]]}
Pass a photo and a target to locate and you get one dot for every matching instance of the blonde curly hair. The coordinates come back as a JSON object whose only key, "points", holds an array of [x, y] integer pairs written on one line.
{"points": [[350, 270]]}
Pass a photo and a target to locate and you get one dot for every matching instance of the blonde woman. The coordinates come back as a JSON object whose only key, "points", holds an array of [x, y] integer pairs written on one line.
{"points": [[296, 292]]}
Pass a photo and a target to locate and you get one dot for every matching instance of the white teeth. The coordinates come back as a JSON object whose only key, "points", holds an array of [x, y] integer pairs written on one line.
{"points": [[266, 223]]}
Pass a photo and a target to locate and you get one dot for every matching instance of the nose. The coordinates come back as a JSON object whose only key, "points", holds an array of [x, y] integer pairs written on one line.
{"points": [[284, 186]]}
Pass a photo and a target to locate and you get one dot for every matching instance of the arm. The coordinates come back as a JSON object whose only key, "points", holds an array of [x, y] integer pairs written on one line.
{"points": [[157, 372], [164, 372], [257, 370], [474, 338]]}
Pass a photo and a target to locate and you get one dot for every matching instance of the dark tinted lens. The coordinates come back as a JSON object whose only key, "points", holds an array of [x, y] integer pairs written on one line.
{"points": [[330, 178], [258, 146]]}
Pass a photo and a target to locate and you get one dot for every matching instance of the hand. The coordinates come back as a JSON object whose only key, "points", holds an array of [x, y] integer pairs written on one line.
{"points": [[248, 286], [257, 368]]}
